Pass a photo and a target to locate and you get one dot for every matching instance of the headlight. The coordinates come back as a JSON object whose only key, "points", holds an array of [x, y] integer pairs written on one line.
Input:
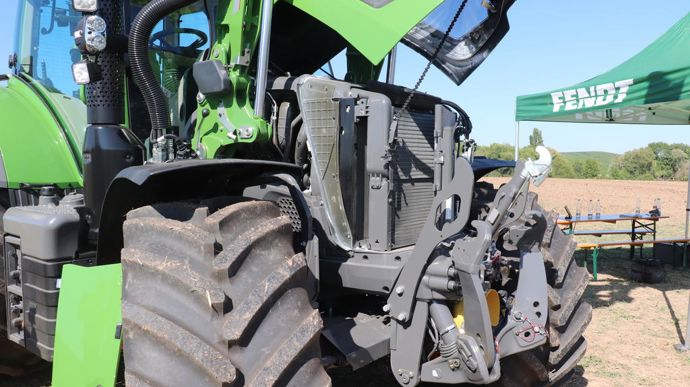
{"points": [[95, 24], [85, 72], [90, 35], [85, 5]]}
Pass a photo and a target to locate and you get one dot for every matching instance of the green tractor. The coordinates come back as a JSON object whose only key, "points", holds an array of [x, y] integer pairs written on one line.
{"points": [[185, 203]]}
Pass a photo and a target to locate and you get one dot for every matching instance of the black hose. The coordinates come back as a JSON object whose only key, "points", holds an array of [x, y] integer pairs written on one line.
{"points": [[139, 34], [464, 117]]}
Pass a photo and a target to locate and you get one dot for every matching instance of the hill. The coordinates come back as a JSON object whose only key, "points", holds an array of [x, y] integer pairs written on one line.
{"points": [[603, 158]]}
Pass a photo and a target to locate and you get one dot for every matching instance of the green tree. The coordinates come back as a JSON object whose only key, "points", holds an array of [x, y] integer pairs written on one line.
{"points": [[682, 173], [561, 167], [536, 138], [500, 152], [587, 169], [636, 164]]}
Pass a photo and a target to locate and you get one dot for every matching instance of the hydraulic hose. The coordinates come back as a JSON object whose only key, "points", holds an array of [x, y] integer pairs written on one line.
{"points": [[443, 319], [139, 34]]}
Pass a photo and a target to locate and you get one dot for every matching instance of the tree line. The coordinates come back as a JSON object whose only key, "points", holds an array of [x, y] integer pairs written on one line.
{"points": [[656, 161]]}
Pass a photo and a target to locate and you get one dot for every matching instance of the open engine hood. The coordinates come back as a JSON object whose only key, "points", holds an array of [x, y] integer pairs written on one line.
{"points": [[480, 28]]}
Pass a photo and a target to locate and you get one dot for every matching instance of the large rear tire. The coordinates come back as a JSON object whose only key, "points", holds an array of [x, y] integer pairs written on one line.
{"points": [[569, 316], [217, 299]]}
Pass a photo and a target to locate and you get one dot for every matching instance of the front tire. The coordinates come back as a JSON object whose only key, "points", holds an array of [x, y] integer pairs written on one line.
{"points": [[217, 298], [569, 315]]}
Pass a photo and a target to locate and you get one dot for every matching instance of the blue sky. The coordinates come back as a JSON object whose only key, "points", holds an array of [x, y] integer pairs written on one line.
{"points": [[551, 44]]}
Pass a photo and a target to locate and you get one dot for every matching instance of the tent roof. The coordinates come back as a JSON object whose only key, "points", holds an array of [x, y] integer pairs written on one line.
{"points": [[652, 87]]}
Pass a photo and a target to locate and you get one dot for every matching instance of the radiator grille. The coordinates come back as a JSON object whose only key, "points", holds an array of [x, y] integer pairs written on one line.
{"points": [[412, 177]]}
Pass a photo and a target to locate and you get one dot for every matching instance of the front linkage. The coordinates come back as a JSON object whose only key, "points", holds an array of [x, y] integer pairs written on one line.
{"points": [[453, 270]]}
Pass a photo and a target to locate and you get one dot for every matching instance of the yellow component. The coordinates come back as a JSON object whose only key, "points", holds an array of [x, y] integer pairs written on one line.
{"points": [[459, 314], [493, 300]]}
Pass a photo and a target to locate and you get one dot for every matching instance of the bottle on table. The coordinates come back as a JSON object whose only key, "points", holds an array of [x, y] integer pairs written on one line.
{"points": [[598, 208], [590, 209], [578, 203]]}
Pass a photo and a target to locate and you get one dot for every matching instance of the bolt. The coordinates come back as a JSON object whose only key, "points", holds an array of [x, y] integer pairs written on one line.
{"points": [[200, 97], [402, 317], [405, 379], [400, 290], [454, 364], [387, 308], [518, 316], [216, 53], [205, 112]]}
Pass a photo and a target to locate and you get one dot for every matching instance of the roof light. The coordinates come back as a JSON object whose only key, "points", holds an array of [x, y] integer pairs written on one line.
{"points": [[85, 5]]}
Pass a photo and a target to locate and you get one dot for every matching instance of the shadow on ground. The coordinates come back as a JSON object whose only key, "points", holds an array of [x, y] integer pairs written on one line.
{"points": [[378, 374]]}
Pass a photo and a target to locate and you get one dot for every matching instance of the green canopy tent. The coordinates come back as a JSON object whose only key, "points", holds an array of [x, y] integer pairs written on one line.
{"points": [[652, 87]]}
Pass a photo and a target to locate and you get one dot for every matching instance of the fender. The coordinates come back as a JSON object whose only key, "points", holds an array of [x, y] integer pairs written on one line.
{"points": [[184, 180], [39, 137]]}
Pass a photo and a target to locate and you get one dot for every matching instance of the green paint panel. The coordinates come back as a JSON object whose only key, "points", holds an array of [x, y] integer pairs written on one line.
{"points": [[86, 350], [34, 147], [372, 31]]}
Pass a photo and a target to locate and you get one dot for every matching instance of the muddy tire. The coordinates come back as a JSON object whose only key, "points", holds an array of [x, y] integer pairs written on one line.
{"points": [[569, 316], [217, 298]]}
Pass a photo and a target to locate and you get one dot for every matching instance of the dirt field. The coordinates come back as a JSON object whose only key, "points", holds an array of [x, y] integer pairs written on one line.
{"points": [[616, 196], [634, 325]]}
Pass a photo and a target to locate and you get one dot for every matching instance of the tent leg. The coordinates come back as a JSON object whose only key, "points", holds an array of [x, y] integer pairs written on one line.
{"points": [[685, 346], [517, 140], [595, 255], [687, 221]]}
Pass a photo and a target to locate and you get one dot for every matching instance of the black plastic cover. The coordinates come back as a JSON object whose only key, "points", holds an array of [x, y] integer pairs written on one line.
{"points": [[211, 77]]}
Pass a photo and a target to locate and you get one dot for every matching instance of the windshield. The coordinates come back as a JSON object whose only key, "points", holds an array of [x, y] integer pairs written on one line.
{"points": [[436, 24], [45, 46]]}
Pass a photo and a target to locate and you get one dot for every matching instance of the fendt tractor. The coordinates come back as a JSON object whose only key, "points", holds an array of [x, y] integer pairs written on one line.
{"points": [[188, 183]]}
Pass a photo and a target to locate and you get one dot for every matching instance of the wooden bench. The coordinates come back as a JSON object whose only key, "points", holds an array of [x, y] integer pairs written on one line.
{"points": [[597, 245], [599, 233]]}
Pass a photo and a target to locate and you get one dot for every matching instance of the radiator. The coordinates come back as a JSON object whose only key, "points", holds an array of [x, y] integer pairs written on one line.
{"points": [[412, 177]]}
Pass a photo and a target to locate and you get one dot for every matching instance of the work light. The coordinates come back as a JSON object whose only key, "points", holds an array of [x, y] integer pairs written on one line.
{"points": [[90, 35], [85, 72], [85, 5]]}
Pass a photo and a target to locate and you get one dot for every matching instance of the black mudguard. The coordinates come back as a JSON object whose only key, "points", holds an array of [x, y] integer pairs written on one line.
{"points": [[182, 180]]}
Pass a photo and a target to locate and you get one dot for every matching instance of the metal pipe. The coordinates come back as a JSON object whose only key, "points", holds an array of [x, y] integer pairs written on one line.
{"points": [[685, 257], [517, 140], [264, 48], [684, 345], [390, 72]]}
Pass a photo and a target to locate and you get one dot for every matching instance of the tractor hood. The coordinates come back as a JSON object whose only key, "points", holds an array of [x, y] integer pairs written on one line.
{"points": [[374, 27]]}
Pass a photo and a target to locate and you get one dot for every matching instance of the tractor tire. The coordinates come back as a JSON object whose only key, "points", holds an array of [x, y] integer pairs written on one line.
{"points": [[217, 298], [569, 316]]}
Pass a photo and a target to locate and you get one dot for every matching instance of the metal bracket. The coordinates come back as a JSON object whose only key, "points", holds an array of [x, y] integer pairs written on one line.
{"points": [[225, 122], [411, 274], [528, 316]]}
